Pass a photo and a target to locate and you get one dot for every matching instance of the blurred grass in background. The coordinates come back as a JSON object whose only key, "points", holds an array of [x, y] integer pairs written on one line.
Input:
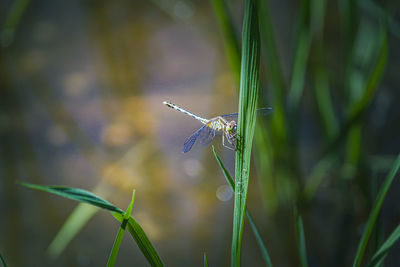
{"points": [[82, 86]]}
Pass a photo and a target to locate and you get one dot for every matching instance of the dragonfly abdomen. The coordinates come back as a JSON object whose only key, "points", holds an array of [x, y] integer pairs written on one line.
{"points": [[173, 106]]}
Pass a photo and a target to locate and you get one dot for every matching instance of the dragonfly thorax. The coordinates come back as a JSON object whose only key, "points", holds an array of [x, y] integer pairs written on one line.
{"points": [[217, 124]]}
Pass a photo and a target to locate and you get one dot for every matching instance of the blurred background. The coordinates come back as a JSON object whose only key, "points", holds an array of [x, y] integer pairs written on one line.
{"points": [[82, 85]]}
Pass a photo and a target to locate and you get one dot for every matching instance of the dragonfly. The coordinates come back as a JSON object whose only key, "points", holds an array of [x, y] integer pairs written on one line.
{"points": [[225, 124]]}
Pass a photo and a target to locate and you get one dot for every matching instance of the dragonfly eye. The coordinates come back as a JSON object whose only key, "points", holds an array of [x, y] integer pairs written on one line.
{"points": [[231, 127]]}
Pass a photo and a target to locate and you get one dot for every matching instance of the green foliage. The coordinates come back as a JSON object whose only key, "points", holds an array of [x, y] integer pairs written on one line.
{"points": [[3, 262], [248, 98], [365, 53], [124, 218], [260, 242], [12, 21], [230, 39], [205, 260], [340, 92], [77, 194], [375, 212], [120, 235], [382, 252], [301, 239]]}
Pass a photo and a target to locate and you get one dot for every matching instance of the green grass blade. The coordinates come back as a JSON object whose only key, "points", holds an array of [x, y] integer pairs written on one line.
{"points": [[299, 69], [375, 212], [248, 97], [230, 39], [142, 241], [75, 222], [274, 69], [271, 52], [117, 243], [134, 228], [12, 21], [382, 252], [358, 109], [261, 245], [227, 176], [205, 260], [264, 251], [77, 194], [3, 262], [374, 78], [320, 73], [301, 240], [300, 59], [380, 13]]}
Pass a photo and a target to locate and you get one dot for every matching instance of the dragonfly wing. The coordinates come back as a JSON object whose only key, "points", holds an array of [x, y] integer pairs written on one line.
{"points": [[260, 112], [230, 115], [191, 140], [264, 111], [206, 136]]}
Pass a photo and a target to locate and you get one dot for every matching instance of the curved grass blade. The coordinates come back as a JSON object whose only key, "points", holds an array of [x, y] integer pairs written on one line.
{"points": [[301, 239], [374, 77], [117, 243], [274, 69], [3, 262], [74, 223], [301, 58], [77, 194], [261, 245], [141, 240], [12, 21], [248, 97], [230, 39], [382, 252], [205, 260], [133, 226], [299, 69], [375, 212], [358, 109]]}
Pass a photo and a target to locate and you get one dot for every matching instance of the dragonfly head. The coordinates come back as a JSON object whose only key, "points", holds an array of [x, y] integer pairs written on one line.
{"points": [[231, 127]]}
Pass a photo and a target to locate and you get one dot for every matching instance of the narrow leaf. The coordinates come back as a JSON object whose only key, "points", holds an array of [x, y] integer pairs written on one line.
{"points": [[141, 240], [274, 69], [77, 194], [72, 225], [3, 262], [118, 239], [301, 57], [301, 240], [375, 212], [248, 97], [231, 43], [382, 252], [133, 226], [205, 260], [12, 21], [261, 245]]}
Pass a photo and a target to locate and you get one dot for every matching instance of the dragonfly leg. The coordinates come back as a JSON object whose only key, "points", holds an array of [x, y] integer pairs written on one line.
{"points": [[223, 142], [232, 140]]}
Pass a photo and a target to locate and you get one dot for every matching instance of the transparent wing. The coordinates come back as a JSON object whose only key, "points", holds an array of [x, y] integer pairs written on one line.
{"points": [[192, 139], [264, 111], [260, 112], [206, 136]]}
